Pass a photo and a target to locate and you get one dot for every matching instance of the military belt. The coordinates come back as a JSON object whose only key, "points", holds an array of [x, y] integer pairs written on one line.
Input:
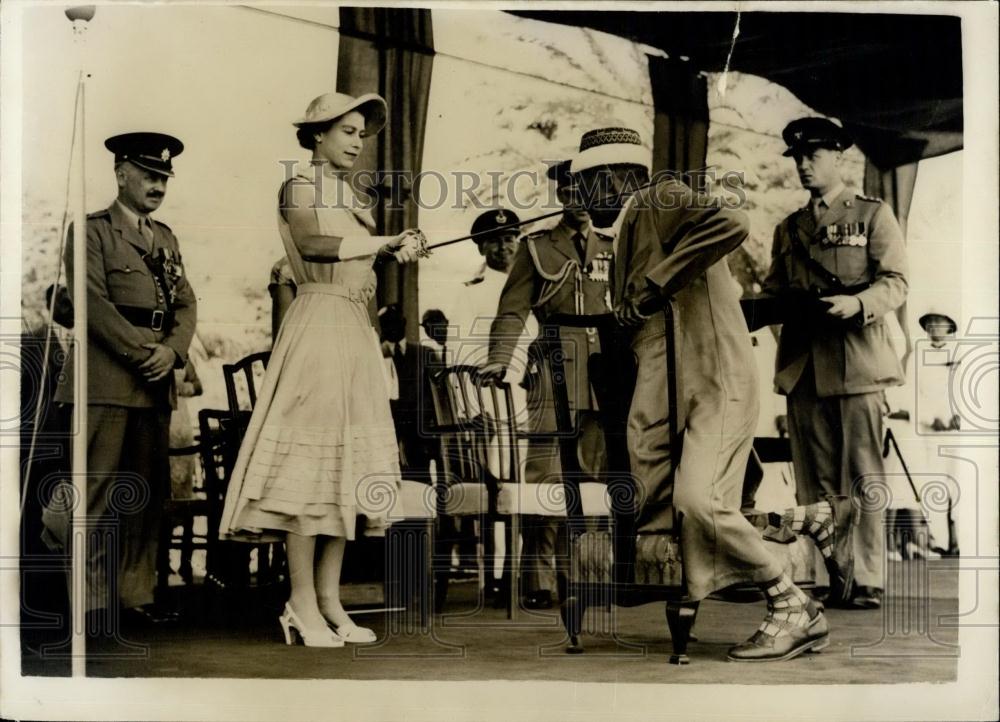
{"points": [[152, 318]]}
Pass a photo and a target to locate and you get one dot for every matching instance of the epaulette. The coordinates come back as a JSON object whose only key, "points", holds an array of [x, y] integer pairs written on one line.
{"points": [[870, 199], [105, 213], [535, 235], [161, 223]]}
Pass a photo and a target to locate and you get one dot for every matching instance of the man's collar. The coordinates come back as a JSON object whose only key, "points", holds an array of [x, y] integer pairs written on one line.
{"points": [[131, 216], [832, 195], [564, 228]]}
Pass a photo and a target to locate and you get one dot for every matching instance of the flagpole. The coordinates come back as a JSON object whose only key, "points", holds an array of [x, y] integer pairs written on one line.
{"points": [[78, 536]]}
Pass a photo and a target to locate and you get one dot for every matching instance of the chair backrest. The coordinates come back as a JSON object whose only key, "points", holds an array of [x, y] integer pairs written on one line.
{"points": [[242, 379], [477, 426], [218, 451], [500, 430], [456, 413]]}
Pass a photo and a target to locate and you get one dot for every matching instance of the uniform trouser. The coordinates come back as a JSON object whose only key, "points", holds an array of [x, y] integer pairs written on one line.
{"points": [[544, 537], [127, 482], [719, 546], [837, 449]]}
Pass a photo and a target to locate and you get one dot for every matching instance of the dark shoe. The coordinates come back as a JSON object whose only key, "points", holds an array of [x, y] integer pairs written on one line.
{"points": [[766, 648], [541, 599], [866, 598], [496, 594], [149, 615], [840, 565]]}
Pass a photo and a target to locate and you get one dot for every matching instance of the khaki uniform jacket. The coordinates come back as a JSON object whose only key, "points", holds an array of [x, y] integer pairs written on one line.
{"points": [[117, 274], [858, 240], [547, 278], [673, 242]]}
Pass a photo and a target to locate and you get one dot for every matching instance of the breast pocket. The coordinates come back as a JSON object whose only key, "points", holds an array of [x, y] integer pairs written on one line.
{"points": [[129, 283], [852, 264]]}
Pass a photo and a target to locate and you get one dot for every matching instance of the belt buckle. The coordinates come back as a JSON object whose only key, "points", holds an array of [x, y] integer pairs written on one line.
{"points": [[156, 323]]}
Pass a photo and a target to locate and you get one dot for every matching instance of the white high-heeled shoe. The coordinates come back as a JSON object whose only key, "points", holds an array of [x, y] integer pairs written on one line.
{"points": [[355, 634], [324, 637], [352, 633]]}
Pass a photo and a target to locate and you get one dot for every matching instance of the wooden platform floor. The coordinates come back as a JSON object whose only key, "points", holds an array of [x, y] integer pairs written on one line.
{"points": [[909, 640]]}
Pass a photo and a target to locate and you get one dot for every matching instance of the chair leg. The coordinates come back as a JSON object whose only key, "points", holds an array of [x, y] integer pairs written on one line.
{"points": [[187, 550], [680, 619], [486, 531], [426, 592], [163, 555], [511, 535], [441, 563], [572, 611]]}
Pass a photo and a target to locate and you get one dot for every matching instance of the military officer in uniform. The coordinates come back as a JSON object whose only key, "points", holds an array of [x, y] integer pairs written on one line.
{"points": [[843, 255], [141, 315], [565, 270]]}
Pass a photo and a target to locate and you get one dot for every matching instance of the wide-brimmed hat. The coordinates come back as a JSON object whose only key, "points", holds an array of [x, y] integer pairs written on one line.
{"points": [[935, 314], [610, 146], [807, 133], [150, 151], [334, 105]]}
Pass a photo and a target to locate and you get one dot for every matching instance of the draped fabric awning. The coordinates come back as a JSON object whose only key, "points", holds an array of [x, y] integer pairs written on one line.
{"points": [[895, 81]]}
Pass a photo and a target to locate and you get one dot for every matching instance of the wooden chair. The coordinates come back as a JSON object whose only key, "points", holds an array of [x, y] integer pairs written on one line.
{"points": [[613, 566], [465, 485], [180, 514], [241, 380], [410, 548], [218, 446], [547, 498]]}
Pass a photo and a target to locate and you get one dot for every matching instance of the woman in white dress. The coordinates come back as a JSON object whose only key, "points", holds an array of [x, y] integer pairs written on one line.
{"points": [[320, 448]]}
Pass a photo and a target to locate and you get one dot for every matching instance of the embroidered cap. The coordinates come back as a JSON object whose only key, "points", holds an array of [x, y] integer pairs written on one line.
{"points": [[151, 151], [610, 146]]}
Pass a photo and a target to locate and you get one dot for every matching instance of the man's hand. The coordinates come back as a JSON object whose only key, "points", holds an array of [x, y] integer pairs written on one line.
{"points": [[843, 307], [159, 364], [492, 372], [627, 314]]}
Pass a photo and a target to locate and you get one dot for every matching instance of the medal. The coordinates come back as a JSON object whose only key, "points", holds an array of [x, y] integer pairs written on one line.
{"points": [[600, 268], [844, 234]]}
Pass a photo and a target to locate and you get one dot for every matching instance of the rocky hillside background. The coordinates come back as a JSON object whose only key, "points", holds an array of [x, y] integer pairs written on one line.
{"points": [[508, 93]]}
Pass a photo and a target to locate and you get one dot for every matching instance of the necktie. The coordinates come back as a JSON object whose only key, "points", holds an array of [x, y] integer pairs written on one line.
{"points": [[146, 230], [581, 246], [397, 358], [818, 206]]}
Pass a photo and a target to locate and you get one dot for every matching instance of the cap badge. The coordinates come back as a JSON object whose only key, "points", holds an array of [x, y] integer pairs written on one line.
{"points": [[501, 218], [165, 155]]}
